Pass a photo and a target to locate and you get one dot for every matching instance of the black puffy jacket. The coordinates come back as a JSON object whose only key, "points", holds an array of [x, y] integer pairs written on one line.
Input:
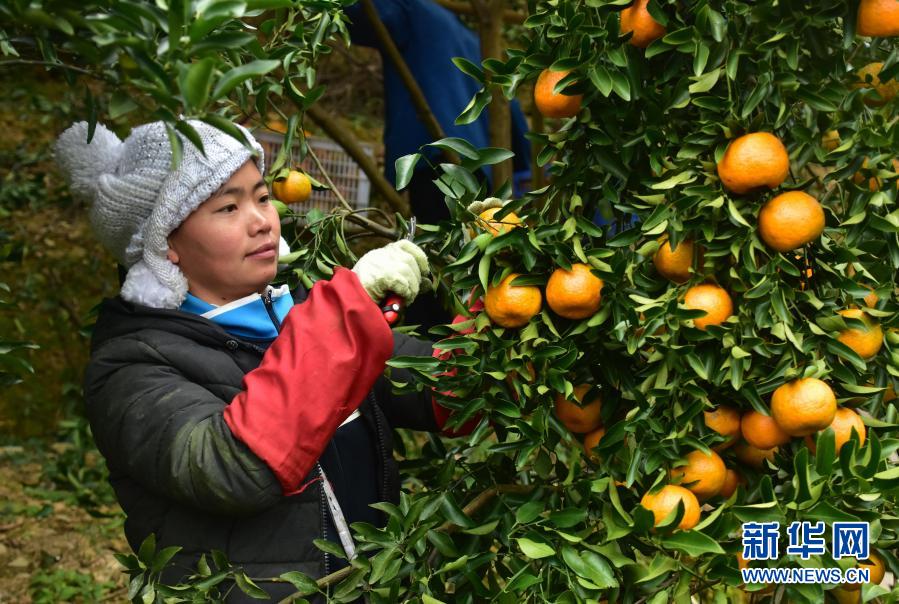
{"points": [[156, 388]]}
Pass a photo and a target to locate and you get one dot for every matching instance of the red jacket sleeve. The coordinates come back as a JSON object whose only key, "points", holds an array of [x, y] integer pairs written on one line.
{"points": [[329, 353], [441, 413]]}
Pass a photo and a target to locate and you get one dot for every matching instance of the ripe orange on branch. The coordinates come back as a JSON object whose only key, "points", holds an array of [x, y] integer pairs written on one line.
{"points": [[753, 456], [703, 475], [665, 501], [866, 341], [885, 90], [711, 298], [497, 226], [293, 188], [636, 18], [575, 293], [754, 160], [591, 440], [878, 18], [579, 418], [791, 220], [732, 480], [877, 571], [761, 431], [724, 420], [844, 421], [512, 306], [803, 406], [555, 104], [674, 264]]}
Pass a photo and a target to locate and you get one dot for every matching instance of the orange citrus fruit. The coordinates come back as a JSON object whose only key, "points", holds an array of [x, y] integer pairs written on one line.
{"points": [[868, 77], [878, 18], [555, 104], [803, 406], [830, 140], [876, 572], [724, 420], [753, 456], [711, 298], [499, 226], [732, 479], [758, 159], [675, 264], [866, 342], [842, 425], [293, 188], [580, 419], [512, 306], [663, 502], [871, 299], [703, 475], [846, 594], [591, 440], [636, 18], [791, 220], [761, 431], [574, 294]]}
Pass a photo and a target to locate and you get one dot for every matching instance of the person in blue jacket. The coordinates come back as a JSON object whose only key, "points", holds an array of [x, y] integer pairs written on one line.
{"points": [[429, 36]]}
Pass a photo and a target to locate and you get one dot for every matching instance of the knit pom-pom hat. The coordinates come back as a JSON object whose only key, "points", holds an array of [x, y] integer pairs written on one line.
{"points": [[137, 199]]}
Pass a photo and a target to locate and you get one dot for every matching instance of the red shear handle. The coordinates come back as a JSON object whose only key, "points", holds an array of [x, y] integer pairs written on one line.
{"points": [[392, 307]]}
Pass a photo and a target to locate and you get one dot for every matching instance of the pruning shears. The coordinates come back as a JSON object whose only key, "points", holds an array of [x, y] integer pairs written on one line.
{"points": [[393, 305]]}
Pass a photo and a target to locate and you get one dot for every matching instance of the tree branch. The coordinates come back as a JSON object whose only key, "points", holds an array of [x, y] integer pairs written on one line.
{"points": [[349, 144]]}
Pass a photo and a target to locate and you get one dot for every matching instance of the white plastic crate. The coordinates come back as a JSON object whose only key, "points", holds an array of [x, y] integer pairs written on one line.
{"points": [[348, 177]]}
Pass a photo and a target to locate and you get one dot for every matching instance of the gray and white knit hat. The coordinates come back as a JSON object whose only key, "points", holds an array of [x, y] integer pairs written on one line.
{"points": [[137, 200]]}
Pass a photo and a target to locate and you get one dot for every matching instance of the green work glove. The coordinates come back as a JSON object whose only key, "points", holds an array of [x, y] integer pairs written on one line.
{"points": [[398, 267], [476, 207]]}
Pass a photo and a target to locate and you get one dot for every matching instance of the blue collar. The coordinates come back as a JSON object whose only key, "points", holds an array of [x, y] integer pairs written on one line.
{"points": [[248, 317]]}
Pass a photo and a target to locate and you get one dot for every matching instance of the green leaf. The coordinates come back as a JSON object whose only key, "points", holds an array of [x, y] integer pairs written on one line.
{"points": [[590, 566], [247, 586], [534, 549], [304, 584], [826, 512], [330, 547], [621, 86], [678, 179], [163, 557], [407, 362], [469, 68], [405, 167], [602, 79], [147, 550], [528, 512], [705, 82], [454, 513], [825, 452], [692, 543], [493, 155], [242, 73], [460, 146]]}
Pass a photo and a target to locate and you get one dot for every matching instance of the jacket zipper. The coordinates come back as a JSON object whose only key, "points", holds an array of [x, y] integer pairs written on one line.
{"points": [[323, 507], [269, 308], [381, 446]]}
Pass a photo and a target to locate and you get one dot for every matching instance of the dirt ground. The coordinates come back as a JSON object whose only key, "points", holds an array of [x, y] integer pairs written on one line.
{"points": [[52, 550]]}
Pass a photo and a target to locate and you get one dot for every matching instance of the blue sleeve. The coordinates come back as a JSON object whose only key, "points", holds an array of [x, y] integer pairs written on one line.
{"points": [[394, 13]]}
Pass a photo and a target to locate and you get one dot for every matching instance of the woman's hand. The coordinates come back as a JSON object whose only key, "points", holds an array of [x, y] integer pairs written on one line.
{"points": [[398, 267]]}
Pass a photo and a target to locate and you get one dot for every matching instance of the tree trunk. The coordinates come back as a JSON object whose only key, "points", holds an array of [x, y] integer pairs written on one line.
{"points": [[490, 15]]}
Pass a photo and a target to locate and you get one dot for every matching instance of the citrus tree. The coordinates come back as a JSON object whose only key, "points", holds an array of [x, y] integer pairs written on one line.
{"points": [[746, 325], [691, 327]]}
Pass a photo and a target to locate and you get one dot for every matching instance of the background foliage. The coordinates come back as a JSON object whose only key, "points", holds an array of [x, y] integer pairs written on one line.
{"points": [[515, 511]]}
